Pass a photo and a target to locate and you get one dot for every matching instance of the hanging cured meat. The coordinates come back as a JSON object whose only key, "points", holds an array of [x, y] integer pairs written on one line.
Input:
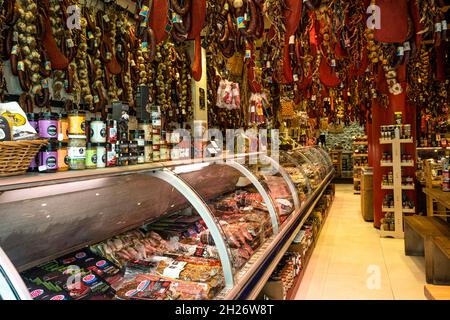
{"points": [[158, 19], [394, 21], [198, 14], [292, 16], [57, 58]]}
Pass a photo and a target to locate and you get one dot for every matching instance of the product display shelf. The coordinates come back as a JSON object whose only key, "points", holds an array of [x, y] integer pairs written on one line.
{"points": [[251, 280], [386, 164], [360, 161], [397, 187], [298, 280]]}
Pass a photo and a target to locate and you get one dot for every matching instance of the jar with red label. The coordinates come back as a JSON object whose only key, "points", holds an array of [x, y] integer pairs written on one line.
{"points": [[111, 131], [111, 155]]}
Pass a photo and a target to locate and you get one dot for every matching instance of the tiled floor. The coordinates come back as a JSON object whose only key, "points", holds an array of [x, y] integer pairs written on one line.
{"points": [[351, 261]]}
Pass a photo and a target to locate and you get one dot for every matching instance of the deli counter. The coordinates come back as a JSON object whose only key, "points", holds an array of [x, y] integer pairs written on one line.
{"points": [[209, 229]]}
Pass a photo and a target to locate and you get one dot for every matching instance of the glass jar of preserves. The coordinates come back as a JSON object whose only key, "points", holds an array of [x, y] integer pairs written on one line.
{"points": [[101, 155], [146, 127], [148, 152], [77, 152], [63, 158], [123, 159], [98, 131], [77, 123], [63, 127], [111, 155], [48, 125], [48, 158], [91, 156], [111, 131]]}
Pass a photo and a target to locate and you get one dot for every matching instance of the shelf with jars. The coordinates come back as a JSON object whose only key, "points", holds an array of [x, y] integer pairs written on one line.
{"points": [[360, 161], [397, 181]]}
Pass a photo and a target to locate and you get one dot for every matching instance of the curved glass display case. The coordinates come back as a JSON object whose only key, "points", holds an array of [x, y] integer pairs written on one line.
{"points": [[210, 229]]}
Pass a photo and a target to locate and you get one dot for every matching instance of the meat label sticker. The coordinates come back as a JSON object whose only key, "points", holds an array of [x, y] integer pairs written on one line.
{"points": [[102, 264], [143, 285], [36, 293], [58, 297], [89, 279], [80, 255], [131, 293]]}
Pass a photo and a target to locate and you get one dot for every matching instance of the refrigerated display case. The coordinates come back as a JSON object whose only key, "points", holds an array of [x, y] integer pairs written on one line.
{"points": [[209, 229]]}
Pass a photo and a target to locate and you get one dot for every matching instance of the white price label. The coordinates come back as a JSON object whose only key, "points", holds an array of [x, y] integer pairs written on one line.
{"points": [[438, 27], [292, 39], [407, 46], [444, 25], [42, 168]]}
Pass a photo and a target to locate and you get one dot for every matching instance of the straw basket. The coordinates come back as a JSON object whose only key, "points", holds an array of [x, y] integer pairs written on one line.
{"points": [[16, 156]]}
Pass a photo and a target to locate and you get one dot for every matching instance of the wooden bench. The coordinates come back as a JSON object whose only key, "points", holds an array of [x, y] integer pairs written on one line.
{"points": [[430, 237], [437, 260], [437, 292], [418, 228]]}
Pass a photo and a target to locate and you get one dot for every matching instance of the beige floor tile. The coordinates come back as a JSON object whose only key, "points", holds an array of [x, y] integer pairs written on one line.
{"points": [[347, 247], [339, 287]]}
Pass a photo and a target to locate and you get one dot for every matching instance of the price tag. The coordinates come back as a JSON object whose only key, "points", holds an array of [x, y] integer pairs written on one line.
{"points": [[21, 66], [407, 46], [44, 83], [15, 36], [42, 168], [295, 78], [240, 22], [48, 65], [314, 98], [60, 137], [444, 25], [292, 39], [70, 43], [15, 50], [144, 11], [174, 270], [333, 63], [268, 64], [106, 18], [438, 27], [400, 51]]}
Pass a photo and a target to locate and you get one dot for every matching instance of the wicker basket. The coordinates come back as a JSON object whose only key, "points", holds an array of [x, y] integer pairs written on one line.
{"points": [[16, 156]]}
